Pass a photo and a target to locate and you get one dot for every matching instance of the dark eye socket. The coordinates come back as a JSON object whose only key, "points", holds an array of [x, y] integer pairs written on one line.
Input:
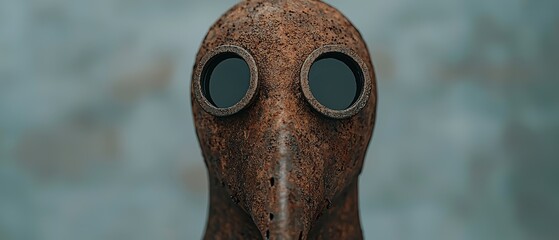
{"points": [[225, 80], [335, 80]]}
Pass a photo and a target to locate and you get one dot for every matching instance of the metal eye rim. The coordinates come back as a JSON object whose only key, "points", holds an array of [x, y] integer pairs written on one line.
{"points": [[364, 81], [200, 73]]}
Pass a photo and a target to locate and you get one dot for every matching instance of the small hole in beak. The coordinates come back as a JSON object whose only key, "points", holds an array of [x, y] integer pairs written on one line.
{"points": [[272, 180], [271, 216]]}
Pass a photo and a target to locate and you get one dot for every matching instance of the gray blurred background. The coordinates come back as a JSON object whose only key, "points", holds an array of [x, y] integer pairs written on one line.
{"points": [[97, 140]]}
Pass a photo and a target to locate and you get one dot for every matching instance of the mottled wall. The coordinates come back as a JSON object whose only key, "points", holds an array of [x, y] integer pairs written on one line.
{"points": [[97, 139]]}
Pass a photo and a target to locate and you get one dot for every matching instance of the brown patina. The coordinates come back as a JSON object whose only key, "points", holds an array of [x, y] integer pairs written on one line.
{"points": [[281, 165]]}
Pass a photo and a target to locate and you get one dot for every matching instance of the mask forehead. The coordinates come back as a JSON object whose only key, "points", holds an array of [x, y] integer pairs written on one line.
{"points": [[281, 34]]}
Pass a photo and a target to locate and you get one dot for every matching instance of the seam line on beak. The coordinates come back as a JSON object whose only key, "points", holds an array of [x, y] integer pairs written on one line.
{"points": [[282, 186]]}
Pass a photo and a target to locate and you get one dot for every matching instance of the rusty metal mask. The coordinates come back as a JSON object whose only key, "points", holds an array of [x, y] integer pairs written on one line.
{"points": [[282, 164]]}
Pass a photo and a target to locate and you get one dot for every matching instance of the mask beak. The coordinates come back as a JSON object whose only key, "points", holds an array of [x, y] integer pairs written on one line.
{"points": [[295, 190]]}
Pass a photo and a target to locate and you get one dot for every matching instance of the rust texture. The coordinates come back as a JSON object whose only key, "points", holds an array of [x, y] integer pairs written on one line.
{"points": [[280, 165]]}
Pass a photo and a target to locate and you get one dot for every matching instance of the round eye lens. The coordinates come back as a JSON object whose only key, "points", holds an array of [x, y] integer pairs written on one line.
{"points": [[334, 80], [226, 80]]}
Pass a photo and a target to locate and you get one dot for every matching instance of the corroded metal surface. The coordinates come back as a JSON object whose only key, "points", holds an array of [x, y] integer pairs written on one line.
{"points": [[279, 167]]}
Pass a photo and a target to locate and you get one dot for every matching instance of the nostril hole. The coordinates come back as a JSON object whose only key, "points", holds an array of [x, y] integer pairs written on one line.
{"points": [[300, 235], [268, 234], [271, 216], [272, 181]]}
